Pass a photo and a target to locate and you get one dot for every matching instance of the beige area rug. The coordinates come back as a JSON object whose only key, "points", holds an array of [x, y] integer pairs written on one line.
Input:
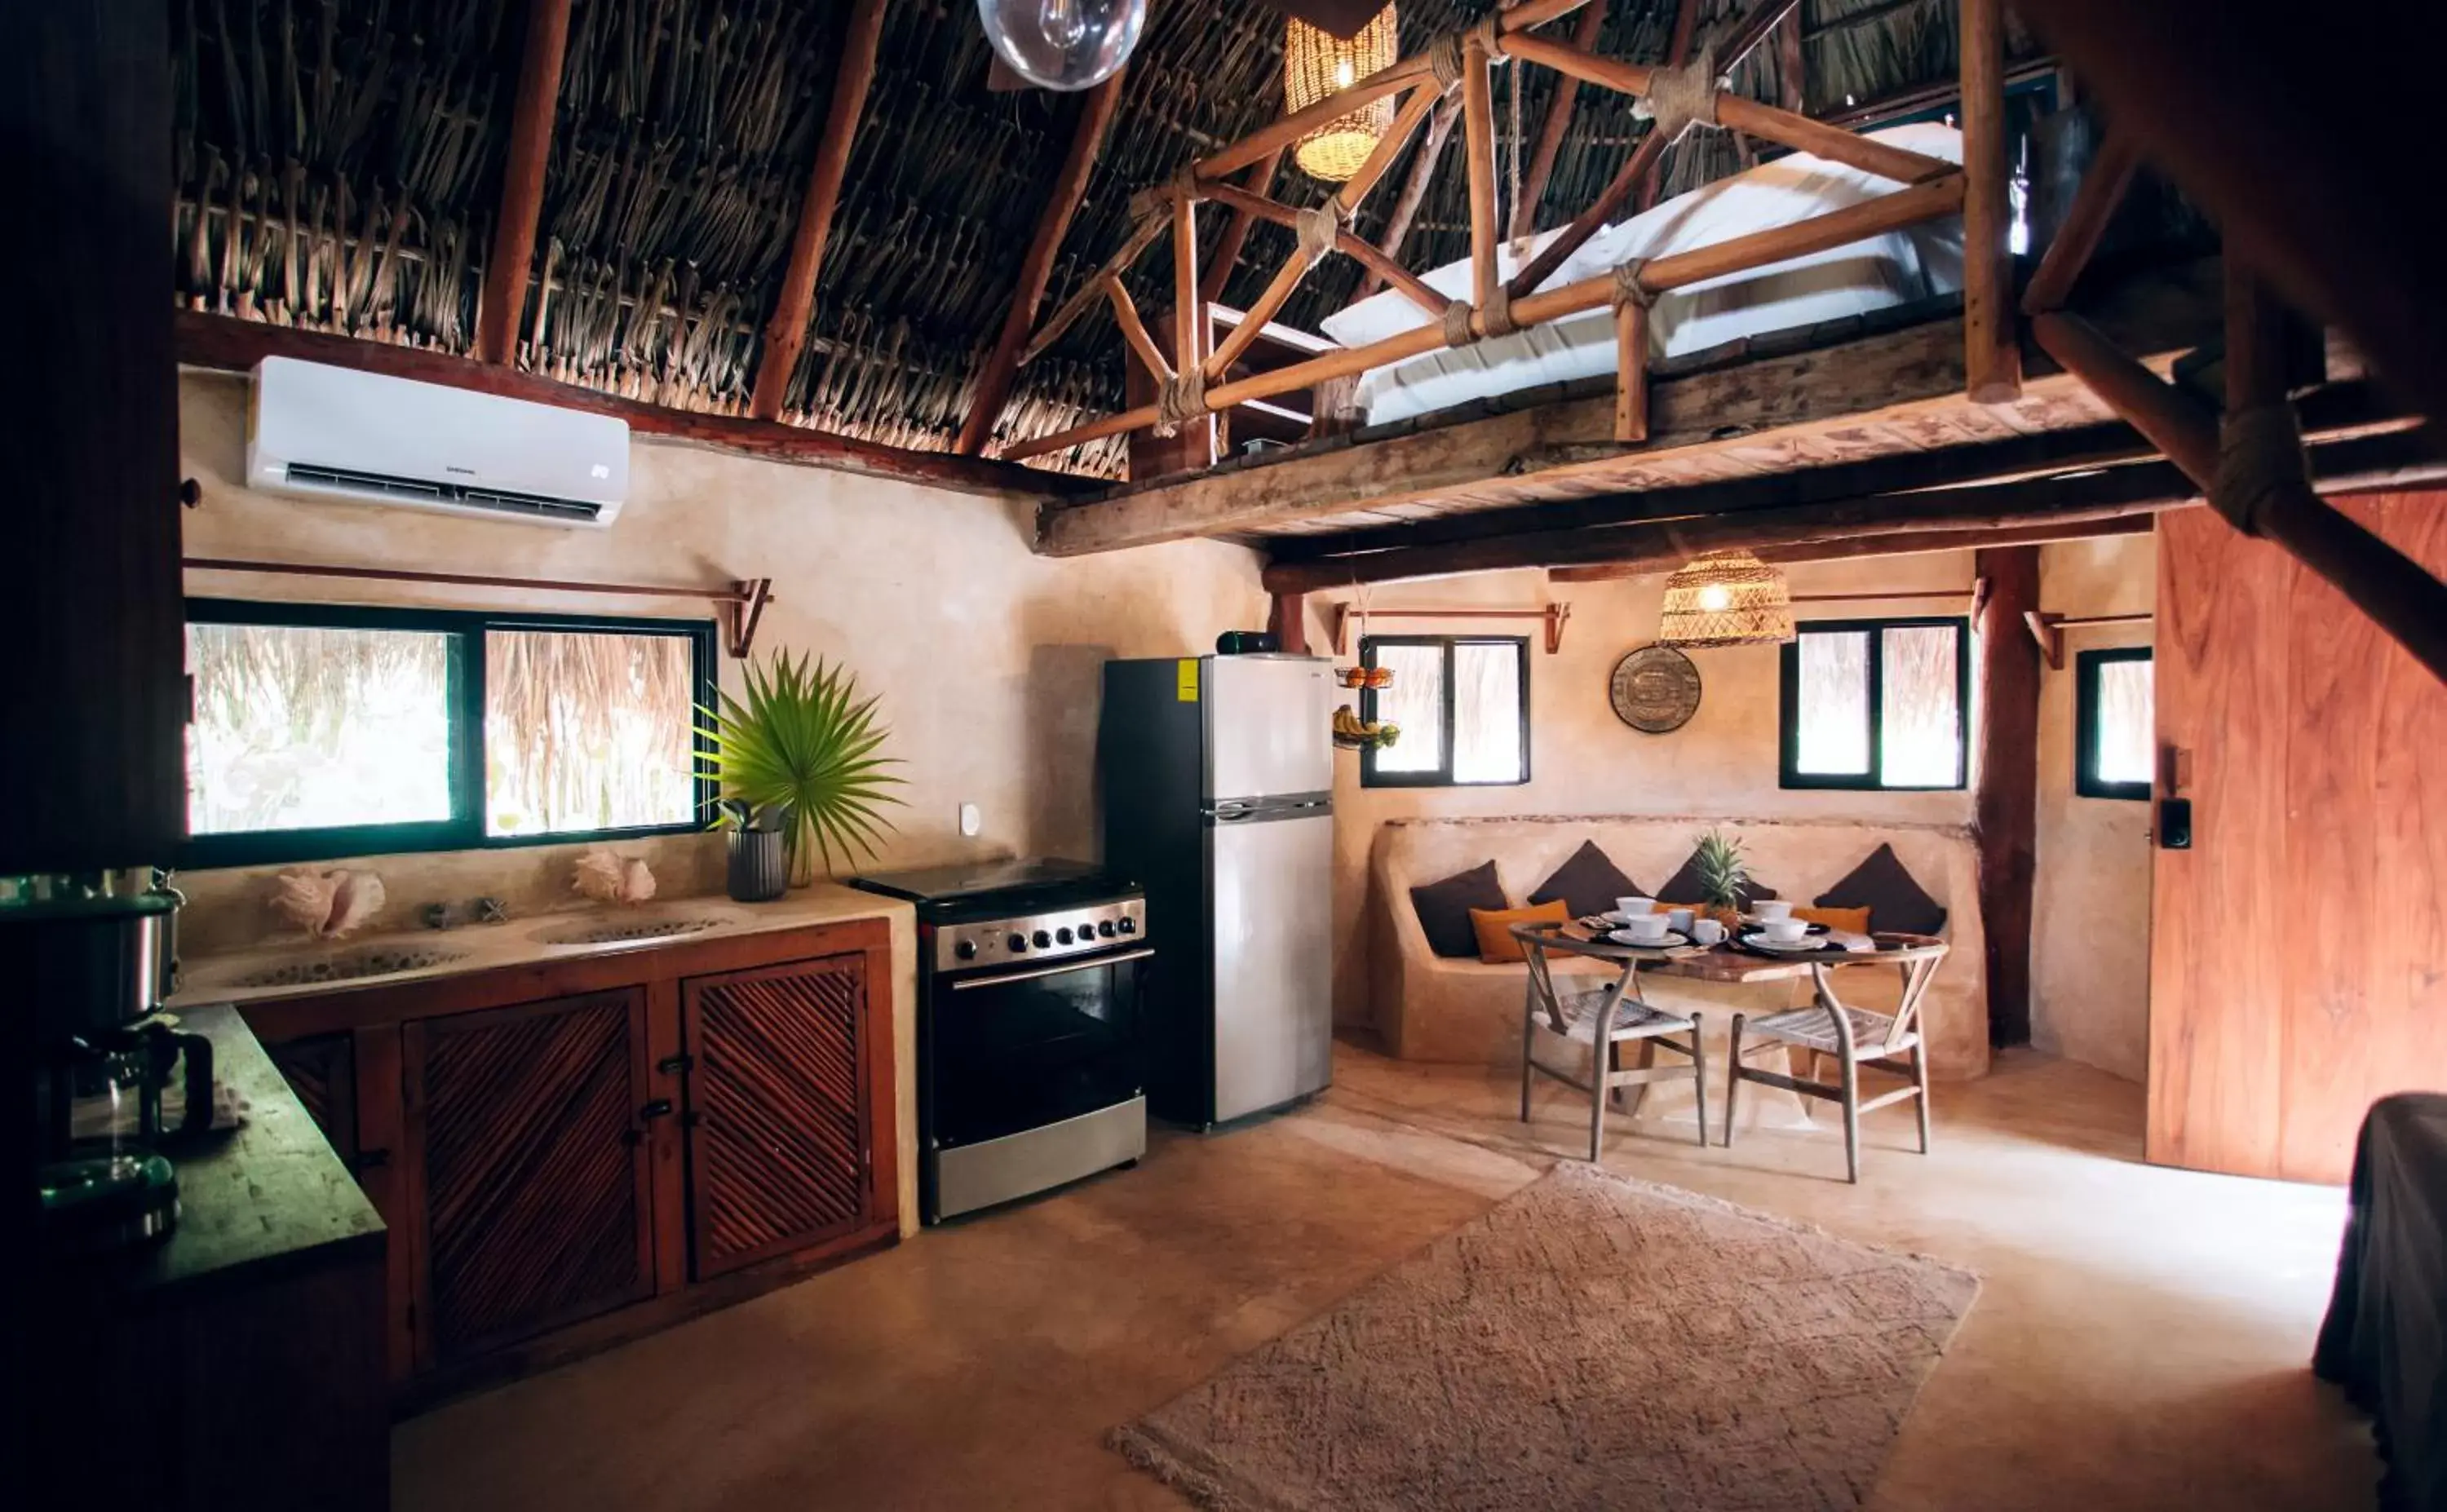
{"points": [[1592, 1342]]}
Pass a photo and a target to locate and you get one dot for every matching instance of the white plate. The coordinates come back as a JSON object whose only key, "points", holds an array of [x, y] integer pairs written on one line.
{"points": [[1807, 945], [1614, 916]]}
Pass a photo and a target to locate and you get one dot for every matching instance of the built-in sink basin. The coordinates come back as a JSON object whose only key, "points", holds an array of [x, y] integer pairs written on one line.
{"points": [[627, 931], [349, 966]]}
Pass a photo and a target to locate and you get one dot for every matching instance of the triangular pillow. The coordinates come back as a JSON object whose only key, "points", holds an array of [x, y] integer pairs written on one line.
{"points": [[1894, 898], [1683, 888], [1589, 883], [1444, 908]]}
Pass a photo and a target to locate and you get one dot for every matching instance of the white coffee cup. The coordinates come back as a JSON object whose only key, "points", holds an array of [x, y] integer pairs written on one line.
{"points": [[1771, 908], [1645, 929], [1678, 919], [1785, 931], [1707, 931], [1634, 907]]}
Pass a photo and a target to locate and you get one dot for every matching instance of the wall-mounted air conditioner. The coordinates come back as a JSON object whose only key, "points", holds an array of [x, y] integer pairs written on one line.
{"points": [[325, 432]]}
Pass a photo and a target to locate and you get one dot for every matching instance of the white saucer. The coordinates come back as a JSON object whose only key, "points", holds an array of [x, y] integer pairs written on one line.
{"points": [[1671, 942], [1807, 945], [1614, 916]]}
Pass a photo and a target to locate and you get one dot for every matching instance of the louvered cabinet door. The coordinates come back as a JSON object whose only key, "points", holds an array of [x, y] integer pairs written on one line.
{"points": [[532, 1179], [322, 1071], [779, 1124]]}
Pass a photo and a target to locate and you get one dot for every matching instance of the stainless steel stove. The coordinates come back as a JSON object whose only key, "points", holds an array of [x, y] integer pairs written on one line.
{"points": [[1029, 1068]]}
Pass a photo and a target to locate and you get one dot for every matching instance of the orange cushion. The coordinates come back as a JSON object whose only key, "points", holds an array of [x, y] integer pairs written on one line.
{"points": [[1494, 925], [1851, 921]]}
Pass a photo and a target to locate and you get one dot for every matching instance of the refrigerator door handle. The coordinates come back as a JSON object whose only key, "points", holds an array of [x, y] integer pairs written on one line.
{"points": [[1225, 816]]}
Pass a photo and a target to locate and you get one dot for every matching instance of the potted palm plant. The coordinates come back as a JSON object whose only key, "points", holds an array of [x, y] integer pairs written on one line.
{"points": [[803, 747], [1724, 877]]}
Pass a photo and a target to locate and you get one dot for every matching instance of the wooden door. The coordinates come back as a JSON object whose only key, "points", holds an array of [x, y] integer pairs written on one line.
{"points": [[528, 1169], [2299, 948], [779, 1109], [322, 1071]]}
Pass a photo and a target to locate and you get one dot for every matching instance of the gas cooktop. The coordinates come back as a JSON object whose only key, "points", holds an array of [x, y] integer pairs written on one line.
{"points": [[995, 889]]}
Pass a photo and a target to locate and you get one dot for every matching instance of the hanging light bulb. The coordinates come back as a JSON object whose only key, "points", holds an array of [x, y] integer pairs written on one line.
{"points": [[1726, 598], [1318, 64], [1063, 44]]}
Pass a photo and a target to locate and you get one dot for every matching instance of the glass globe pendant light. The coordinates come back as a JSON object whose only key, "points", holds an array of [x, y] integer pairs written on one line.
{"points": [[1063, 44], [1317, 64]]}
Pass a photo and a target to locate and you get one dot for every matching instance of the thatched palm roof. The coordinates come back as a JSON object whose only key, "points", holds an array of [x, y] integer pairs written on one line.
{"points": [[339, 163]]}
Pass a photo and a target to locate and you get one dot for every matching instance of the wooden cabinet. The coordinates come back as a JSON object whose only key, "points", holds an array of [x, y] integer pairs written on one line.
{"points": [[779, 1110], [528, 1174], [574, 1153]]}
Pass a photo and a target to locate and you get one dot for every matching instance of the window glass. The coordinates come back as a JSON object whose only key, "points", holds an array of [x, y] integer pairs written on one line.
{"points": [[1921, 718], [1416, 701], [1487, 712], [307, 728], [1835, 706], [587, 731], [2124, 727]]}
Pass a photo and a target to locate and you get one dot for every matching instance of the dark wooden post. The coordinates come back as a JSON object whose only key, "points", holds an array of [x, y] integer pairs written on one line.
{"points": [[2006, 792], [514, 230], [1287, 620], [1993, 363]]}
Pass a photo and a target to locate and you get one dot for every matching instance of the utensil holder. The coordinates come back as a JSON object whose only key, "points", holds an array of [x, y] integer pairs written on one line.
{"points": [[759, 872]]}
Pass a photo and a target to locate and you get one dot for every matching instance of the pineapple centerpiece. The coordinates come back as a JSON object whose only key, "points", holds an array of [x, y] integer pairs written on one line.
{"points": [[1724, 877]]}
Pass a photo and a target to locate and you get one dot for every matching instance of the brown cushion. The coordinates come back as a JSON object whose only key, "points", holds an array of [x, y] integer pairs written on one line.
{"points": [[1883, 885], [1850, 921], [1684, 885], [1589, 883], [1494, 928], [1444, 908]]}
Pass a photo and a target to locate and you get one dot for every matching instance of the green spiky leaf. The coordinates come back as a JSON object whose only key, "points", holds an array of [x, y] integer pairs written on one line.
{"points": [[803, 738], [1724, 873]]}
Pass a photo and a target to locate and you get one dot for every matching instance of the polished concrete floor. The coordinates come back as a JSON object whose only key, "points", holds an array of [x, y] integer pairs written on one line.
{"points": [[2140, 1341]]}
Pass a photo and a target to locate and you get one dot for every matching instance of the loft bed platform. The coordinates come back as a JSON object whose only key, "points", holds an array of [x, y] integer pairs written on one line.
{"points": [[1886, 383]]}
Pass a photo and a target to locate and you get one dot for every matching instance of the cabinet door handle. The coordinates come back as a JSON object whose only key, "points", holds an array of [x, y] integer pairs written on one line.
{"points": [[671, 1065], [659, 1107]]}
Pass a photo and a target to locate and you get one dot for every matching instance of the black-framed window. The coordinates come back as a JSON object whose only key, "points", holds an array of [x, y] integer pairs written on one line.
{"points": [[1463, 706], [1877, 703], [2112, 729], [328, 729]]}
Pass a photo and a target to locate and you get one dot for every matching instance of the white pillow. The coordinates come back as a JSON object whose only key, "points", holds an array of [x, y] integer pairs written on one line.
{"points": [[1790, 189]]}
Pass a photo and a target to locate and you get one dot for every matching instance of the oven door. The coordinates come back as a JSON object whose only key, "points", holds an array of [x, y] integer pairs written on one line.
{"points": [[1008, 1051]]}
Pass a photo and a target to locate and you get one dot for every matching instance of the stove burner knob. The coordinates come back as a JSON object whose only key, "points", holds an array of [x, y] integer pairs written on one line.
{"points": [[1130, 926], [1017, 942], [966, 950], [1063, 935], [1106, 928], [1043, 939]]}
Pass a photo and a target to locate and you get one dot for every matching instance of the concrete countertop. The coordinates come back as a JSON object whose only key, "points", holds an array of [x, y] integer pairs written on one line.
{"points": [[234, 976]]}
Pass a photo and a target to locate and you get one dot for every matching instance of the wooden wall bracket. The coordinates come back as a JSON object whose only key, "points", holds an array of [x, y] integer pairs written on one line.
{"points": [[1552, 614], [2048, 630]]}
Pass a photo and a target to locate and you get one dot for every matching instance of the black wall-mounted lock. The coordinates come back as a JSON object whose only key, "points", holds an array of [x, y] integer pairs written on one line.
{"points": [[2175, 824]]}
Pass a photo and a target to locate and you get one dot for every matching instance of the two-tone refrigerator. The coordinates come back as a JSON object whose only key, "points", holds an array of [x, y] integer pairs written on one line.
{"points": [[1217, 775]]}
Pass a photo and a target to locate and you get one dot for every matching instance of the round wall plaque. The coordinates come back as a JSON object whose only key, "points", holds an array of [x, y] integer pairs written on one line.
{"points": [[1654, 689]]}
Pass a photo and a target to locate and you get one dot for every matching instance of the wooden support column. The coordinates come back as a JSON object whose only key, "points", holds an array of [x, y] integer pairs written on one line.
{"points": [[514, 229], [1631, 372], [1002, 366], [786, 333], [1287, 620], [2006, 781], [1522, 219], [1993, 365], [1478, 147]]}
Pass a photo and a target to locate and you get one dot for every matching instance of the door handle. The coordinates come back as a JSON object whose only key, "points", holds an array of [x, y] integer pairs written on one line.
{"points": [[659, 1107]]}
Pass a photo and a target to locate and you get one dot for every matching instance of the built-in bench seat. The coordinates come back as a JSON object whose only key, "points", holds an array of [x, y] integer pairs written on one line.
{"points": [[1433, 1008]]}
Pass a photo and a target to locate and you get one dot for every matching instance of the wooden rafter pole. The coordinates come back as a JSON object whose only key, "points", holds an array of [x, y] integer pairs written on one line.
{"points": [[1070, 185], [1236, 229], [1415, 190], [1993, 356], [1189, 321], [1791, 78], [1380, 265], [785, 330], [1135, 330], [514, 229], [1478, 154], [1522, 219], [1083, 298], [2085, 222]]}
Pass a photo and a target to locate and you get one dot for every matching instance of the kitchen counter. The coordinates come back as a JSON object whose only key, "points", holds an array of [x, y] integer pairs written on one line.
{"points": [[244, 977]]}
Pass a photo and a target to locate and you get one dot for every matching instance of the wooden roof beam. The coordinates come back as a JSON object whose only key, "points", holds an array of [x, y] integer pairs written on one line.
{"points": [[508, 266], [1414, 192], [1260, 182], [786, 333], [1036, 268], [1522, 219], [1905, 544]]}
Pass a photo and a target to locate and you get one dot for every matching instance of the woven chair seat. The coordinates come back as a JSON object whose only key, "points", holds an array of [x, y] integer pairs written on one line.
{"points": [[1633, 1020], [1812, 1029]]}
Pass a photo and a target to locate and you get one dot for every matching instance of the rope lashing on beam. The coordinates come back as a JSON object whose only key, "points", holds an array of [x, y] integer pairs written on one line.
{"points": [[1317, 229], [1678, 99], [1628, 287], [1465, 323], [1156, 199], [1449, 54], [2260, 456], [1182, 399]]}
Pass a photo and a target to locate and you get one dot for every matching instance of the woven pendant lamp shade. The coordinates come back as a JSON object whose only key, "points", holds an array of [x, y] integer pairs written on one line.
{"points": [[1317, 64], [1726, 598]]}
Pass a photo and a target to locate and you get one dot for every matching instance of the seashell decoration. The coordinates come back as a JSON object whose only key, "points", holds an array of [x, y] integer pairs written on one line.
{"points": [[609, 877], [325, 905]]}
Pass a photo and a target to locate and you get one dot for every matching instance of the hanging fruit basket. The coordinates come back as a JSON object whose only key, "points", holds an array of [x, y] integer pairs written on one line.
{"points": [[1351, 732], [1378, 677]]}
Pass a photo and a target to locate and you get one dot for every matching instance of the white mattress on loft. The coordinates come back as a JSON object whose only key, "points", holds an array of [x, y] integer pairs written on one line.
{"points": [[1872, 274]]}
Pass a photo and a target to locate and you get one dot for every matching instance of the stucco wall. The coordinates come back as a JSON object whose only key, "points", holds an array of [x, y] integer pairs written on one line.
{"points": [[2090, 944], [1585, 760], [986, 655]]}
